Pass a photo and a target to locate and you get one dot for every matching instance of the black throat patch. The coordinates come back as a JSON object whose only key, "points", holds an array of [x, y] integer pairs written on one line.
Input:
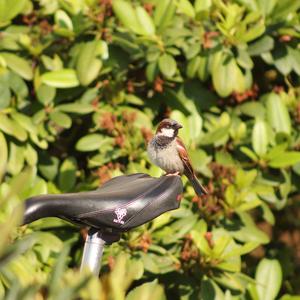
{"points": [[162, 141]]}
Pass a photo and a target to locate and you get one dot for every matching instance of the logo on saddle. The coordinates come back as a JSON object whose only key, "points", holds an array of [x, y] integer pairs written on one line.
{"points": [[120, 213]]}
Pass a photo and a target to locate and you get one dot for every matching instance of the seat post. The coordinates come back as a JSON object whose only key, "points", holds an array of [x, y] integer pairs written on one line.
{"points": [[94, 247]]}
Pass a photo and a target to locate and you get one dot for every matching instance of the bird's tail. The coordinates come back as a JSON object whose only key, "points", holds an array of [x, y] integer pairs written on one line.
{"points": [[198, 187]]}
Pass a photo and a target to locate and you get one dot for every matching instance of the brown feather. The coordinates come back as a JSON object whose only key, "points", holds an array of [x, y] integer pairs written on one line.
{"points": [[188, 169], [184, 157]]}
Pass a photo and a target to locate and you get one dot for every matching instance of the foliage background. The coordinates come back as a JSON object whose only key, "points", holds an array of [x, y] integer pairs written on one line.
{"points": [[82, 85]]}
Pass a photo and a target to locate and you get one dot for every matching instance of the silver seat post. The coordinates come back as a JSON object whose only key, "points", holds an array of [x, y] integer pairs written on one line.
{"points": [[93, 249]]}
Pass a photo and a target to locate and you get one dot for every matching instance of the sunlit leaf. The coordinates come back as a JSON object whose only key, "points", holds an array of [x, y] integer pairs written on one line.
{"points": [[67, 174], [65, 78], [268, 279], [277, 113], [19, 65], [147, 291], [3, 155], [285, 159], [92, 142], [167, 65], [260, 137]]}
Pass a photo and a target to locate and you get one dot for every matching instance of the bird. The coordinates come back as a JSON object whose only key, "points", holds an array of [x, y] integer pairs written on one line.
{"points": [[167, 151]]}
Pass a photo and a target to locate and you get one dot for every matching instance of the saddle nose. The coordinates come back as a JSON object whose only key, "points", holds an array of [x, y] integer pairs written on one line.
{"points": [[121, 204]]}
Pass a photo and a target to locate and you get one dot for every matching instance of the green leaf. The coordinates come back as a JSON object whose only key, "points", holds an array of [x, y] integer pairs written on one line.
{"points": [[249, 153], [268, 279], [135, 269], [126, 13], [16, 159], [220, 245], [147, 291], [164, 13], [185, 7], [232, 281], [215, 136], [48, 166], [296, 168], [267, 213], [282, 59], [45, 94], [253, 109], [266, 7], [192, 67], [226, 75], [284, 8], [160, 221], [254, 32], [275, 151], [61, 119], [203, 71], [25, 122], [77, 108], [135, 100], [62, 20], [92, 142], [88, 66], [3, 155], [12, 128], [18, 85], [145, 21], [201, 243], [295, 58], [260, 137], [65, 78], [200, 160], [289, 297], [58, 270], [150, 264], [210, 290], [244, 59], [202, 5], [67, 174], [152, 71], [5, 96], [105, 157], [10, 9], [248, 231], [285, 159], [246, 248], [190, 52], [136, 19], [19, 65], [245, 179], [230, 196], [167, 65], [277, 114], [262, 45], [30, 155]]}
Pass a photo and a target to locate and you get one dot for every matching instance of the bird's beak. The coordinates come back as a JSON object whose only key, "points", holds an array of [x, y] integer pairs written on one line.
{"points": [[178, 126]]}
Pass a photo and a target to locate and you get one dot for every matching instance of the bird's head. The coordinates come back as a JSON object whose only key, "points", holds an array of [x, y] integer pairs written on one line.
{"points": [[168, 128]]}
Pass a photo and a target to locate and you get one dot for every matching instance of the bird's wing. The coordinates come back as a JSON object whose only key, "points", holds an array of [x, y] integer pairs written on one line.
{"points": [[188, 169]]}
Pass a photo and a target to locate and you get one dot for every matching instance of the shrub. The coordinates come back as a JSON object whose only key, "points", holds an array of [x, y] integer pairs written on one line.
{"points": [[82, 85]]}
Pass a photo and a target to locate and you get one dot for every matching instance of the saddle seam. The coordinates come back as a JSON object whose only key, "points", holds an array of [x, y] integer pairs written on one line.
{"points": [[156, 199], [112, 209]]}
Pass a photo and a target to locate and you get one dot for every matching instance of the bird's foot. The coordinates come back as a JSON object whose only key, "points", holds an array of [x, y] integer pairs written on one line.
{"points": [[172, 174]]}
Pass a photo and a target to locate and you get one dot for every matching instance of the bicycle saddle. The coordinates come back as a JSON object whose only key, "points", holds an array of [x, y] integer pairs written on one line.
{"points": [[120, 204]]}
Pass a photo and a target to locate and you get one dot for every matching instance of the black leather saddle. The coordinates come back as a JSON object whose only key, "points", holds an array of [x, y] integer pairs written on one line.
{"points": [[120, 204]]}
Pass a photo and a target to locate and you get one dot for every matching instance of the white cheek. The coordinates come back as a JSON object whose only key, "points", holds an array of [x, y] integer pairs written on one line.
{"points": [[169, 132]]}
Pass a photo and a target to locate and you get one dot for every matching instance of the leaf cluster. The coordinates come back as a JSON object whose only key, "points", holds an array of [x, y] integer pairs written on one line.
{"points": [[83, 84]]}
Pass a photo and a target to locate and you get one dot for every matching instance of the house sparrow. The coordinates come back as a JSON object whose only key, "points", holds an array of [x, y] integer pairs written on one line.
{"points": [[167, 151]]}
